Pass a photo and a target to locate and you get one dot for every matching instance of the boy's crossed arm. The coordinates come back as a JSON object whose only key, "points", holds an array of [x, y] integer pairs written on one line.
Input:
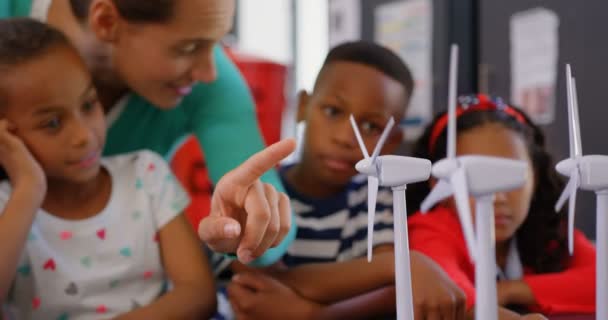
{"points": [[331, 282], [357, 289], [353, 282]]}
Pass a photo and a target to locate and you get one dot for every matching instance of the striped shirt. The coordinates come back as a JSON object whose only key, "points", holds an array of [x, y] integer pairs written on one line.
{"points": [[335, 229]]}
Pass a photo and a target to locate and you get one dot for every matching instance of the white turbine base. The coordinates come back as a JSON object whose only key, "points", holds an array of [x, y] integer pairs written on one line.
{"points": [[601, 235], [403, 283], [486, 304]]}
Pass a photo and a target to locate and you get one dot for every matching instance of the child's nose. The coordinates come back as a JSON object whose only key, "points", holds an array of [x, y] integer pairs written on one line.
{"points": [[344, 135], [500, 197], [81, 134], [204, 69]]}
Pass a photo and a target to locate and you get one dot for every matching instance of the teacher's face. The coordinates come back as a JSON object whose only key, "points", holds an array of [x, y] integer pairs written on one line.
{"points": [[162, 61]]}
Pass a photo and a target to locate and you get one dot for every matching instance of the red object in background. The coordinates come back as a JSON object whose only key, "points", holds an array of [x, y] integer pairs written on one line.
{"points": [[267, 81], [189, 167]]}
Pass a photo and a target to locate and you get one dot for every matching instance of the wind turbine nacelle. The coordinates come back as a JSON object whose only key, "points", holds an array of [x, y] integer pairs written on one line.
{"points": [[397, 171], [488, 175], [366, 167], [444, 168], [593, 171], [566, 166]]}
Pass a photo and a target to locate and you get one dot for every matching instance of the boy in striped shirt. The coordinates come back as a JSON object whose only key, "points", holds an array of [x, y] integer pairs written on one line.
{"points": [[327, 274]]}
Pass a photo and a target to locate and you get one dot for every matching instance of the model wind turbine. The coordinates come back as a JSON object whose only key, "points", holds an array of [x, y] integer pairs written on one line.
{"points": [[450, 172], [480, 177], [588, 173], [395, 172]]}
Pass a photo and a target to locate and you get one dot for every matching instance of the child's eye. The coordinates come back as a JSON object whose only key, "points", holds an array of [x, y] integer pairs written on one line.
{"points": [[189, 48], [331, 111], [370, 128], [90, 104], [53, 124]]}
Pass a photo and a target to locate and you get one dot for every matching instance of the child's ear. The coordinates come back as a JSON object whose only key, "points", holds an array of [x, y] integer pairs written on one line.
{"points": [[104, 20], [303, 99]]}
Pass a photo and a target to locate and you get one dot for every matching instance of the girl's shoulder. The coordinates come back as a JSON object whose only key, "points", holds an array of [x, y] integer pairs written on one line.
{"points": [[439, 218], [142, 164]]}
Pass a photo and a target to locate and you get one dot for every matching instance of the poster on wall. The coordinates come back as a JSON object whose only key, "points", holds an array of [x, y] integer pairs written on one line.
{"points": [[534, 54], [406, 27], [344, 21]]}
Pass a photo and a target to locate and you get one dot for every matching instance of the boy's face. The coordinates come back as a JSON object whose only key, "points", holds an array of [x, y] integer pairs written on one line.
{"points": [[331, 150], [54, 107]]}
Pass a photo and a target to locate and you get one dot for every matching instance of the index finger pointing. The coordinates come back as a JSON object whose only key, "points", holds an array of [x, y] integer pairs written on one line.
{"points": [[252, 169]]}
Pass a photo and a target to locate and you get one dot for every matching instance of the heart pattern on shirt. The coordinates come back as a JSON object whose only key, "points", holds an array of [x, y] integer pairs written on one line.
{"points": [[86, 261], [138, 184], [125, 252], [63, 316], [134, 304], [114, 284], [65, 235], [148, 275], [72, 289], [49, 265], [24, 270], [101, 309], [36, 303]]}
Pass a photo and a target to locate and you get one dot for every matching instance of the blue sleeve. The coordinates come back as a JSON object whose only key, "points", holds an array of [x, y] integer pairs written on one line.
{"points": [[224, 121]]}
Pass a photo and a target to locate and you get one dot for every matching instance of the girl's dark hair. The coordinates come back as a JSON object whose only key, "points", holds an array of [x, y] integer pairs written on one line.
{"points": [[24, 39], [144, 11], [542, 237]]}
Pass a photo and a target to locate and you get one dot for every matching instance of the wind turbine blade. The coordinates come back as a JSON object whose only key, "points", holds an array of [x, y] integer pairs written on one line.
{"points": [[452, 102], [568, 191], [461, 195], [382, 140], [570, 94], [358, 135], [441, 191], [578, 145]]}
